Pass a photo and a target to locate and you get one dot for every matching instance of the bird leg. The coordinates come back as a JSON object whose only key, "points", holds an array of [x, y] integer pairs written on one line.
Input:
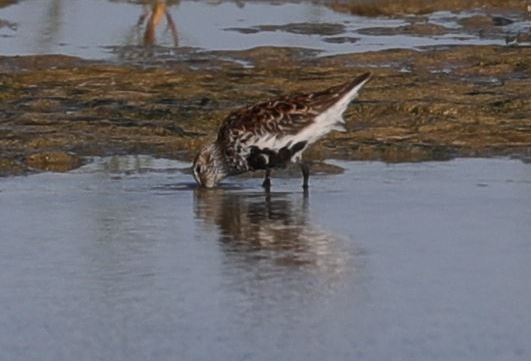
{"points": [[267, 181], [305, 174]]}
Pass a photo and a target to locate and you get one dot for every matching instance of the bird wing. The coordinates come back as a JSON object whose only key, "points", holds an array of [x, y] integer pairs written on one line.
{"points": [[279, 127]]}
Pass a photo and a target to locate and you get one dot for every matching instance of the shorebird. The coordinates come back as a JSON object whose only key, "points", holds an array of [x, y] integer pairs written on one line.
{"points": [[274, 133]]}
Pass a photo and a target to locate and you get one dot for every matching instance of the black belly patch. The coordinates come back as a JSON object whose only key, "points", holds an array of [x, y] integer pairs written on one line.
{"points": [[263, 158]]}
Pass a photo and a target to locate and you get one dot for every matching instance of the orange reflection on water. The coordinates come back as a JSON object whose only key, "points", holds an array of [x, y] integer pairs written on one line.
{"points": [[152, 18]]}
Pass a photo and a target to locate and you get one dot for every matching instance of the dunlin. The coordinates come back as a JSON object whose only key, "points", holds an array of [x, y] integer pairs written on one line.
{"points": [[273, 133]]}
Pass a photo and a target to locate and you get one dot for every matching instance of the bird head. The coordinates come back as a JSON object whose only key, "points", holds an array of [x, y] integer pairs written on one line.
{"points": [[208, 167]]}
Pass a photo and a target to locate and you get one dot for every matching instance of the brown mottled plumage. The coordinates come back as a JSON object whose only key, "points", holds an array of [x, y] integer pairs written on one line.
{"points": [[271, 134]]}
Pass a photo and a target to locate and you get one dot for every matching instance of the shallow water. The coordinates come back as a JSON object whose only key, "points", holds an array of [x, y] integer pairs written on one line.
{"points": [[115, 30], [124, 260]]}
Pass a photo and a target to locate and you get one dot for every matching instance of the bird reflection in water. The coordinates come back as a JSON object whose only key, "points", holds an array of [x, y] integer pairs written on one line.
{"points": [[268, 231], [154, 12]]}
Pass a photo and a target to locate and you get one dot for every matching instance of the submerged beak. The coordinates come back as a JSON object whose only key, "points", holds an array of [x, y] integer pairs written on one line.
{"points": [[209, 185], [204, 183]]}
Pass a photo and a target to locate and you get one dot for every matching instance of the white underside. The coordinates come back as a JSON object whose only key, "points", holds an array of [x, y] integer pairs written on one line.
{"points": [[323, 124]]}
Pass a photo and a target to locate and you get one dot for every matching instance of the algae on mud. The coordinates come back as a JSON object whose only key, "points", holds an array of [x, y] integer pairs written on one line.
{"points": [[432, 104], [393, 7]]}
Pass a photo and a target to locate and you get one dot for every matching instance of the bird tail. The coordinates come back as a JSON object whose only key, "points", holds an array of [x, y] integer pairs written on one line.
{"points": [[350, 92], [340, 98]]}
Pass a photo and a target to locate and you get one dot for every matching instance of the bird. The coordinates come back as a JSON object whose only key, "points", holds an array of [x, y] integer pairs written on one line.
{"points": [[273, 133]]}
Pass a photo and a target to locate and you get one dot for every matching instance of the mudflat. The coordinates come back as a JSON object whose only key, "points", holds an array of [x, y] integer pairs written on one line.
{"points": [[436, 103]]}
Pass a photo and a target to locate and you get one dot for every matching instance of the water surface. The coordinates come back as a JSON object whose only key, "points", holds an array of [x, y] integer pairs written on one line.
{"points": [[124, 259], [119, 30]]}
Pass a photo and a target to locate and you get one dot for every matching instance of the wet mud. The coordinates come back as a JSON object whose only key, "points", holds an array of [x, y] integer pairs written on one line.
{"points": [[420, 7], [436, 103]]}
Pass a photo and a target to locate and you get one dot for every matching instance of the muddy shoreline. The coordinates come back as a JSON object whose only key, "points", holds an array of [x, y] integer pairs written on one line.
{"points": [[419, 7], [436, 103]]}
